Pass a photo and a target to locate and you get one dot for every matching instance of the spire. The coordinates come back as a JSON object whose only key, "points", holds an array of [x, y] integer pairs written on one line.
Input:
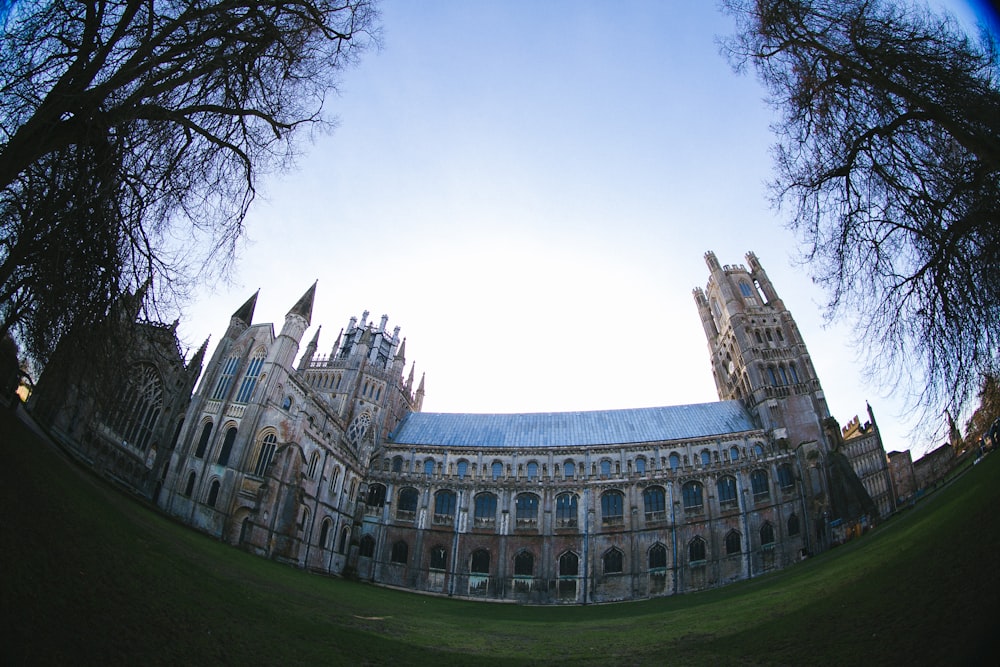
{"points": [[336, 345], [418, 402], [245, 312], [310, 352], [198, 358], [409, 380], [304, 306], [401, 352]]}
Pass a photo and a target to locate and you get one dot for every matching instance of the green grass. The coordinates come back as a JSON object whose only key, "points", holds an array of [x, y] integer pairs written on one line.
{"points": [[90, 576]]}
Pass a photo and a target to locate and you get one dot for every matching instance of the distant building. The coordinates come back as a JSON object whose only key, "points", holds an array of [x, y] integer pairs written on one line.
{"points": [[934, 466], [901, 471], [329, 464], [862, 444]]}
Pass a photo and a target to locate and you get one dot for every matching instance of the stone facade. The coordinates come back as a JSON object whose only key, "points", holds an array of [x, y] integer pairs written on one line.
{"points": [[330, 464], [862, 445]]}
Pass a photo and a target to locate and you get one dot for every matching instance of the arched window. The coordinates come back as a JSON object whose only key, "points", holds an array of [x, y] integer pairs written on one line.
{"points": [[526, 510], [657, 557], [726, 488], [532, 470], [757, 336], [569, 564], [485, 510], [406, 507], [734, 453], [654, 500], [227, 446], [794, 373], [479, 563], [605, 468], [226, 379], [439, 558], [781, 336], [324, 533], [569, 469], [675, 461], [745, 289], [345, 538], [640, 465], [767, 332], [784, 378], [286, 403], [612, 508], [367, 547], [250, 379], [334, 476], [793, 525], [706, 457], [566, 510], [206, 434], [692, 493], [400, 551], [429, 467], [497, 470], [462, 468], [612, 561], [733, 545], [213, 493], [189, 489], [758, 451], [376, 495], [139, 403], [786, 480], [696, 550], [313, 465], [444, 506], [265, 452], [524, 564], [766, 534], [771, 376], [397, 464], [759, 484]]}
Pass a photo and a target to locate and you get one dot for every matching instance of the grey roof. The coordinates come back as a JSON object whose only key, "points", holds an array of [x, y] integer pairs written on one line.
{"points": [[561, 429]]}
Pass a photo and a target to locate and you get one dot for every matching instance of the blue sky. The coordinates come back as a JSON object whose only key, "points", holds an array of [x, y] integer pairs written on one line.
{"points": [[527, 190]]}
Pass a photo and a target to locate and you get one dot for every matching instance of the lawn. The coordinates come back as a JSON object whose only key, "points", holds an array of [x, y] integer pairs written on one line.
{"points": [[91, 576]]}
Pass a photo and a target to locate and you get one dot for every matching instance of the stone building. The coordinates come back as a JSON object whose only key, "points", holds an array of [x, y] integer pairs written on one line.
{"points": [[904, 484], [330, 464], [862, 445]]}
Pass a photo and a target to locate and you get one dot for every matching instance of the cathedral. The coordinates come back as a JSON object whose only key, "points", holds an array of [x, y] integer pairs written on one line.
{"points": [[327, 462]]}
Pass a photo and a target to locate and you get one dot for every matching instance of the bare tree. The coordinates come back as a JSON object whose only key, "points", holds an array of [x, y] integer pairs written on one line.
{"points": [[133, 134], [888, 156]]}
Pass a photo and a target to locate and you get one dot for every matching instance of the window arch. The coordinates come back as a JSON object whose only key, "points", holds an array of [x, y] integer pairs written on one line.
{"points": [[696, 550], [771, 376], [794, 373], [524, 564], [406, 507], [462, 468], [250, 379], [532, 470], [766, 534], [213, 493], [657, 557], [726, 491], [265, 453], [612, 561], [397, 463], [429, 467], [485, 513], [479, 562], [228, 371], [439, 558], [189, 489], [734, 453], [325, 532], [566, 510], [313, 465], [206, 434], [569, 564], [706, 457], [759, 484], [376, 495], [526, 510], [784, 377], [654, 500], [569, 469], [786, 480], [227, 446], [367, 547], [400, 552], [444, 506], [497, 470], [640, 465], [745, 289], [733, 543], [675, 461], [612, 508], [140, 401], [345, 538], [692, 494], [605, 468], [793, 525]]}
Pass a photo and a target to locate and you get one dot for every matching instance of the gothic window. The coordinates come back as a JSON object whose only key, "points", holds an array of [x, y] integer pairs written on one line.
{"points": [[767, 333], [726, 489], [265, 452], [605, 468], [733, 545], [759, 484], [429, 467], [485, 509], [745, 289], [532, 470], [324, 533], [189, 489], [692, 494], [734, 453], [760, 340], [345, 536], [781, 336], [356, 431], [696, 551], [376, 495], [785, 478], [226, 379], [286, 403], [657, 557], [784, 377], [444, 506], [758, 451], [400, 551], [250, 379], [569, 564], [367, 547], [612, 508], [313, 465], [480, 562], [439, 558], [497, 470], [334, 475], [612, 561], [675, 461], [213, 493], [524, 564], [227, 446], [526, 510], [771, 376], [569, 469], [305, 518], [566, 510], [463, 469], [706, 457], [397, 464], [766, 534], [793, 525], [794, 373], [406, 508], [206, 434], [654, 500], [139, 404], [640, 465]]}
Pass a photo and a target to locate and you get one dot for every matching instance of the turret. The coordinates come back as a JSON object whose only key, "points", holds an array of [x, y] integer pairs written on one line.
{"points": [[310, 352], [418, 401], [296, 322]]}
